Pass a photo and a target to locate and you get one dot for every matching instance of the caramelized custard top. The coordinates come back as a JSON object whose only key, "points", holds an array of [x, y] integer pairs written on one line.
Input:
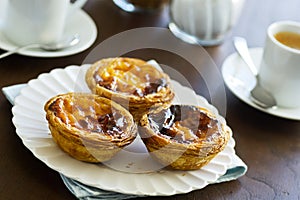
{"points": [[126, 76], [184, 124], [85, 113]]}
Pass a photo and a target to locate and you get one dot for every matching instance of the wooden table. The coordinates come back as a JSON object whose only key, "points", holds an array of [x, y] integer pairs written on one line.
{"points": [[269, 145]]}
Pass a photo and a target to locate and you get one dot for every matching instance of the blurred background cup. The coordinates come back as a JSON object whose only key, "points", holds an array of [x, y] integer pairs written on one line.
{"points": [[280, 66], [2, 11], [204, 22], [141, 5], [37, 21]]}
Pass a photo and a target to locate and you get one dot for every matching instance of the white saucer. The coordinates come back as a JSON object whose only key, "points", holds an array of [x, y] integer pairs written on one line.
{"points": [[240, 81], [80, 23]]}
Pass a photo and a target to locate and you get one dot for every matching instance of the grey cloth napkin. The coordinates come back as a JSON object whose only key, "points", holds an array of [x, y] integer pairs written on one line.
{"points": [[84, 192]]}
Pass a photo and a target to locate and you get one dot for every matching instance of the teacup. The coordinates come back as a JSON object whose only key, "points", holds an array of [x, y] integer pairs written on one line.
{"points": [[37, 21], [280, 67]]}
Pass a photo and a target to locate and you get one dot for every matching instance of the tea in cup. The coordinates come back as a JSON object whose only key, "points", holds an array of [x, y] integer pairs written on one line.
{"points": [[37, 21], [279, 71], [290, 39]]}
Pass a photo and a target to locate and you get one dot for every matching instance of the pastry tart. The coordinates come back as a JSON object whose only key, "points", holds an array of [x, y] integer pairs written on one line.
{"points": [[88, 127], [133, 83], [183, 137]]}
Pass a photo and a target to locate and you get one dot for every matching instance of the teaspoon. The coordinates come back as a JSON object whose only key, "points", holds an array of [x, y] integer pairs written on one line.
{"points": [[47, 47], [260, 96]]}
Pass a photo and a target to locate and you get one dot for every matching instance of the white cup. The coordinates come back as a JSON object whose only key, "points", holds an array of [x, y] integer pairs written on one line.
{"points": [[280, 67], [37, 21], [204, 22], [2, 11]]}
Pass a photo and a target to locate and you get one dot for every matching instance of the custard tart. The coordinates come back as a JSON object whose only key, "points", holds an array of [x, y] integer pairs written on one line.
{"points": [[183, 137], [133, 83], [88, 127]]}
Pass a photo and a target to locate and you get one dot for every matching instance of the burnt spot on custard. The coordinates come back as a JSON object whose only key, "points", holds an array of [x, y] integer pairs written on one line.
{"points": [[85, 113], [184, 124], [125, 77]]}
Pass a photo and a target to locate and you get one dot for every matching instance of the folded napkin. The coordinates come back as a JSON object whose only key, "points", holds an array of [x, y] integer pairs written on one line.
{"points": [[84, 192]]}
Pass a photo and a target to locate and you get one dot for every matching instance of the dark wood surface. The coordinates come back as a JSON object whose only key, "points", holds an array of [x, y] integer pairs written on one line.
{"points": [[269, 145]]}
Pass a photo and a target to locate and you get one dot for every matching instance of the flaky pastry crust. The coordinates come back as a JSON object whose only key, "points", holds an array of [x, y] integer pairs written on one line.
{"points": [[183, 137], [88, 127], [131, 82]]}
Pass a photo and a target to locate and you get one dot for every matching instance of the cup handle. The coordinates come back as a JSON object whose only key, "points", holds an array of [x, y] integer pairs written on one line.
{"points": [[78, 4]]}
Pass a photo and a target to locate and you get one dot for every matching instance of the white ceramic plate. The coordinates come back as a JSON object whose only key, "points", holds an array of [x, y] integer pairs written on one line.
{"points": [[130, 177], [80, 23], [240, 81]]}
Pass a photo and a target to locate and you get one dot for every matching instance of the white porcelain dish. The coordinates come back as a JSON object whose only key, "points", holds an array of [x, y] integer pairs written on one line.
{"points": [[130, 177], [80, 23]]}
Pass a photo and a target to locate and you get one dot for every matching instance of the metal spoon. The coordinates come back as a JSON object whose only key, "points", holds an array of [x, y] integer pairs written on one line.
{"points": [[260, 96], [48, 47]]}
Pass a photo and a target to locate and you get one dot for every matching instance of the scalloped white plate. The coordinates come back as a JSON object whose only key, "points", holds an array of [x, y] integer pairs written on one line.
{"points": [[119, 175]]}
